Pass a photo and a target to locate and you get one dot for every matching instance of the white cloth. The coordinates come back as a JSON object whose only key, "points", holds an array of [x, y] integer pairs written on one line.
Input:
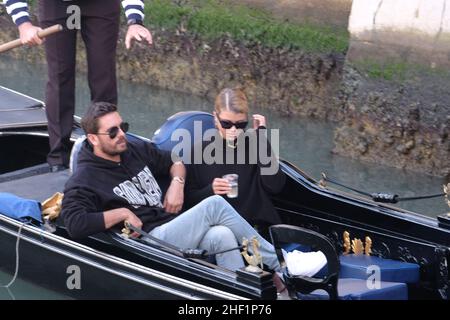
{"points": [[304, 263]]}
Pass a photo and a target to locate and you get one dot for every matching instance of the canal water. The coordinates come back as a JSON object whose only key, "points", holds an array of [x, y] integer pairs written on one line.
{"points": [[23, 290], [306, 143]]}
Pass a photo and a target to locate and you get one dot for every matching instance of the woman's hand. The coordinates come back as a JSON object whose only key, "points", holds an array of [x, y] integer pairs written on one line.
{"points": [[221, 186], [258, 121]]}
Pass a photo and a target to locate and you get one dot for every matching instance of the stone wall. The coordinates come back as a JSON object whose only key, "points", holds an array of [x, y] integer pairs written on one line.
{"points": [[404, 125], [292, 82]]}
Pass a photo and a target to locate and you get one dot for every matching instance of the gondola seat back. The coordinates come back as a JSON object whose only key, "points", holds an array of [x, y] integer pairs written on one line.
{"points": [[183, 129]]}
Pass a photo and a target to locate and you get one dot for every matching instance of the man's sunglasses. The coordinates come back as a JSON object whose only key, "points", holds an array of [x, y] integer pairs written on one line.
{"points": [[227, 124], [112, 132]]}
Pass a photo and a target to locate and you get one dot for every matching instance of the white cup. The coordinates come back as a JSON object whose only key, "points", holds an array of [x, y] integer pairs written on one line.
{"points": [[233, 180]]}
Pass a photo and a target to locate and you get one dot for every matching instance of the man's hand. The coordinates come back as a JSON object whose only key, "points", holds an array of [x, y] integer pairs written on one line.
{"points": [[173, 201], [29, 34], [115, 216], [221, 186], [138, 33], [133, 220]]}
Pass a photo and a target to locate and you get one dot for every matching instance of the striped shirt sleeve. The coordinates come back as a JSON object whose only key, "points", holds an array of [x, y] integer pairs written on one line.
{"points": [[134, 9], [18, 10]]}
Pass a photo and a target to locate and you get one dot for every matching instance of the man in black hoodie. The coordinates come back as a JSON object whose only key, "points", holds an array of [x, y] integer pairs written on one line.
{"points": [[115, 182]]}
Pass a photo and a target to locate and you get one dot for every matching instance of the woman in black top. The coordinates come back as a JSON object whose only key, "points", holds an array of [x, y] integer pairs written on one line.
{"points": [[232, 150]]}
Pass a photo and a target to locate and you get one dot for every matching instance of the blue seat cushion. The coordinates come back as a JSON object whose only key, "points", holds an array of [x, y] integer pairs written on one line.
{"points": [[356, 266], [357, 289], [19, 208]]}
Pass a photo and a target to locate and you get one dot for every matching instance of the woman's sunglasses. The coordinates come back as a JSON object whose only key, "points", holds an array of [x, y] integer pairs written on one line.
{"points": [[112, 132], [227, 124]]}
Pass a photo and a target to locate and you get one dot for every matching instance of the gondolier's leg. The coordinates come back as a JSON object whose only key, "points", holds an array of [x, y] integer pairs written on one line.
{"points": [[60, 93], [100, 32], [188, 229]]}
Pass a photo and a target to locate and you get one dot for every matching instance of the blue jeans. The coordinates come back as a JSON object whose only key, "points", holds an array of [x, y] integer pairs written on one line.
{"points": [[214, 225]]}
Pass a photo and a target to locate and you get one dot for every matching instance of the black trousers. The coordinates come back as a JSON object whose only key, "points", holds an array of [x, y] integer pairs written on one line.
{"points": [[99, 31]]}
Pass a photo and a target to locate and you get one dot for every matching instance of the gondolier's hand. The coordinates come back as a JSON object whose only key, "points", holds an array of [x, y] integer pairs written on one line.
{"points": [[137, 32], [221, 186], [173, 201], [29, 34]]}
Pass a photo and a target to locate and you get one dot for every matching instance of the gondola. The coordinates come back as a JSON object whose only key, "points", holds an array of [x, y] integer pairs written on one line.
{"points": [[114, 267]]}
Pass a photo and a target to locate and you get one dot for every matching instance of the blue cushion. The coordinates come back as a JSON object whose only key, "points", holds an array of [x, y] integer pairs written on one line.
{"points": [[19, 208], [355, 266], [357, 289]]}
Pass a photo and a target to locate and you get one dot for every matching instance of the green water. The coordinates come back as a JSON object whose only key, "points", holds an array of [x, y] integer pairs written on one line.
{"points": [[23, 290]]}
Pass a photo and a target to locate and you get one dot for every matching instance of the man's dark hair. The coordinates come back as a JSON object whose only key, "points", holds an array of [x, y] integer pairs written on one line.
{"points": [[89, 123]]}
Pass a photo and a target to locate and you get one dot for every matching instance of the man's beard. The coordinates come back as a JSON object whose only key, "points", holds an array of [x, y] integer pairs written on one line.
{"points": [[115, 150]]}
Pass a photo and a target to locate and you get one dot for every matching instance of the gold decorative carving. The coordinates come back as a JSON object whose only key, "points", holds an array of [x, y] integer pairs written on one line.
{"points": [[254, 261], [51, 207], [347, 244], [368, 246], [357, 246]]}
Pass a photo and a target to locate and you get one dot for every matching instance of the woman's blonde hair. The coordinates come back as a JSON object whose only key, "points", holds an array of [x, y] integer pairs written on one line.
{"points": [[233, 100]]}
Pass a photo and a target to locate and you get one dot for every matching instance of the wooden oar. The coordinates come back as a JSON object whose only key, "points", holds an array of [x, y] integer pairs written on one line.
{"points": [[41, 34]]}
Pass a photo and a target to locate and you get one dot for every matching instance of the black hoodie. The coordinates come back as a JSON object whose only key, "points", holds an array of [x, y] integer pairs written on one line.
{"points": [[99, 185]]}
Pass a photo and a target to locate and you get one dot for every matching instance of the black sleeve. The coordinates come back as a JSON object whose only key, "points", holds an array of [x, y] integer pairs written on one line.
{"points": [[80, 214], [274, 183], [194, 192], [160, 161]]}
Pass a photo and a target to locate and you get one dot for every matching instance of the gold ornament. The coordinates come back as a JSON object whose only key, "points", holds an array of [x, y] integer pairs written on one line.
{"points": [[357, 246], [368, 246], [254, 261], [347, 245], [51, 207]]}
